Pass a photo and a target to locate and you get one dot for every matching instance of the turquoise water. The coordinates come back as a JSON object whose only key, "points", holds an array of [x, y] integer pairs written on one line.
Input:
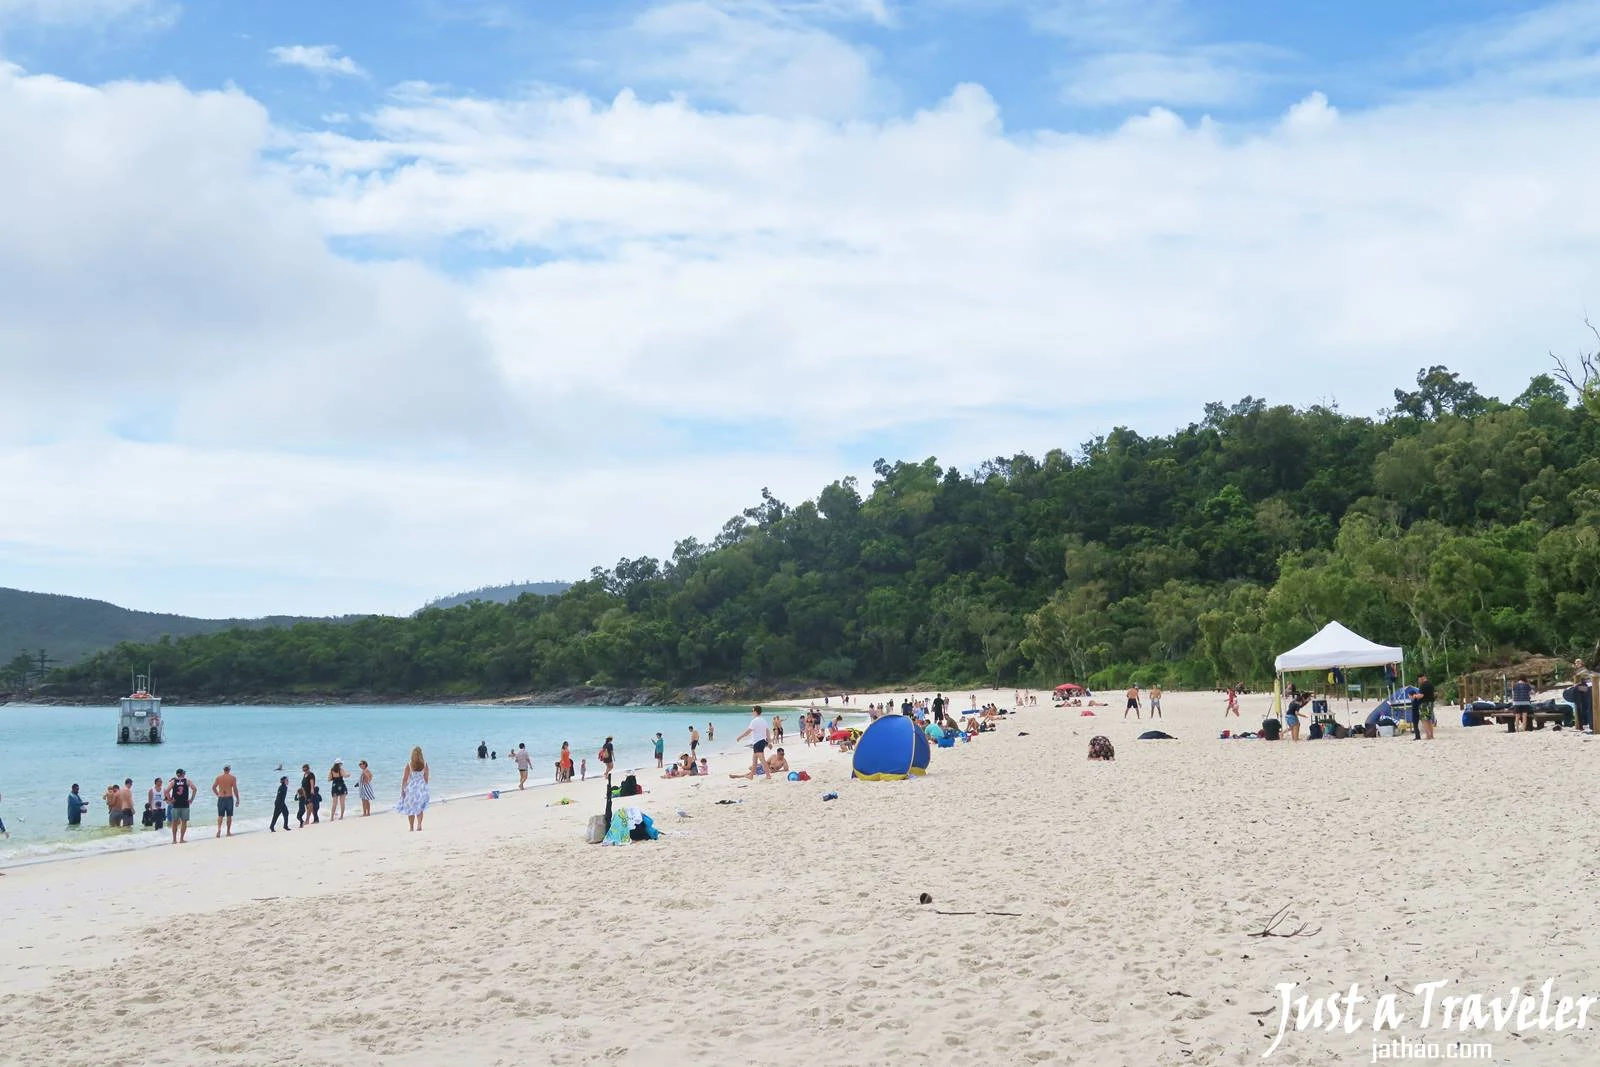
{"points": [[44, 750]]}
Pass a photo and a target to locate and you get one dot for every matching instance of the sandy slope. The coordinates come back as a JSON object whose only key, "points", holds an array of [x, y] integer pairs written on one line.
{"points": [[785, 929]]}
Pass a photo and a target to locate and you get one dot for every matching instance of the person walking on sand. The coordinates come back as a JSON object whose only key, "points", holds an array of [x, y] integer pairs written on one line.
{"points": [[280, 805], [226, 789], [364, 787], [564, 763], [414, 790], [694, 739], [1133, 702], [308, 786], [180, 794], [777, 730], [524, 764], [1233, 703], [661, 749], [1155, 702], [583, 770], [338, 789], [759, 733], [607, 756]]}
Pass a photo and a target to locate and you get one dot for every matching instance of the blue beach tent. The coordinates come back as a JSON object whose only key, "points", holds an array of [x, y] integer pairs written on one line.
{"points": [[890, 748]]}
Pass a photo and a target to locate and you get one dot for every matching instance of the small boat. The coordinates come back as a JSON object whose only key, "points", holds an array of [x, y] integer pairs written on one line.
{"points": [[140, 720]]}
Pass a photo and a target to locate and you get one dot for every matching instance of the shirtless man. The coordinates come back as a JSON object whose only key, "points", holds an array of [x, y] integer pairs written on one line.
{"points": [[1133, 702], [226, 788], [125, 801], [694, 740], [778, 764]]}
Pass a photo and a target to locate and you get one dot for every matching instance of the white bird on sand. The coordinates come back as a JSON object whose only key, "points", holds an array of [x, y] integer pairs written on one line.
{"points": [[683, 815]]}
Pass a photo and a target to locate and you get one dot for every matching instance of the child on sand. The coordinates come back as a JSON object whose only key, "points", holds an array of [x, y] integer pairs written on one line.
{"points": [[583, 769]]}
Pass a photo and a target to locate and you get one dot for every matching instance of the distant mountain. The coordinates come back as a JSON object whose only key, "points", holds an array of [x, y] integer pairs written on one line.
{"points": [[69, 628], [501, 594]]}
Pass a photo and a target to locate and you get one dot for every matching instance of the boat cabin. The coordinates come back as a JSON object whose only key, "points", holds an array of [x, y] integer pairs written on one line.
{"points": [[140, 720]]}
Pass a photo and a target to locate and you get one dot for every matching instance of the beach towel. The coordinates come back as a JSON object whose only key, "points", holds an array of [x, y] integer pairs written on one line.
{"points": [[618, 833], [1156, 735]]}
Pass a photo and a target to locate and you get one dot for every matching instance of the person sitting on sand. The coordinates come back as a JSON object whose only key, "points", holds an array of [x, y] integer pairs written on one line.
{"points": [[705, 766]]}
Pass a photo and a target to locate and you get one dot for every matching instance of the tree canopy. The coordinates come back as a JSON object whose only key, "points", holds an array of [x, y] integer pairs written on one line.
{"points": [[1455, 524]]}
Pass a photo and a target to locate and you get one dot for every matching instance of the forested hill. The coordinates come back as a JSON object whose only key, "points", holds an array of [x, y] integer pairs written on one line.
{"points": [[69, 627], [1456, 525], [500, 594]]}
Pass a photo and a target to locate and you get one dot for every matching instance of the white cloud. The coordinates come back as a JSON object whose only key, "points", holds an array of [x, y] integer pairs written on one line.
{"points": [[322, 59], [1201, 76], [154, 264], [1554, 46], [932, 283], [753, 55], [88, 14], [1312, 113]]}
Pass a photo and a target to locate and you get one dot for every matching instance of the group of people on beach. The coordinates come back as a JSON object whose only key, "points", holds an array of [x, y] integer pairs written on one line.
{"points": [[168, 804]]}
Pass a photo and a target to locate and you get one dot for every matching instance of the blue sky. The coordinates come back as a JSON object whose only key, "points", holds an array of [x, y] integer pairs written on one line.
{"points": [[378, 301]]}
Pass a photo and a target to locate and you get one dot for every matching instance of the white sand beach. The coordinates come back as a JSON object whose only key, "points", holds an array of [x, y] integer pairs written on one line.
{"points": [[1106, 912]]}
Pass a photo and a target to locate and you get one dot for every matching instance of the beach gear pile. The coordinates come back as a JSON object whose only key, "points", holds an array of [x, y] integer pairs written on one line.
{"points": [[629, 825]]}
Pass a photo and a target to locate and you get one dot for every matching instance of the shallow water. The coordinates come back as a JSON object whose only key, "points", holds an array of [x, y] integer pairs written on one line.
{"points": [[43, 750]]}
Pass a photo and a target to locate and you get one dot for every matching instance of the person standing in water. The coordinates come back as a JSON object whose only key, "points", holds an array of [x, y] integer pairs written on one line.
{"points": [[483, 749], [155, 802], [364, 786], [711, 732], [280, 805], [180, 793], [226, 789], [414, 790], [74, 807]]}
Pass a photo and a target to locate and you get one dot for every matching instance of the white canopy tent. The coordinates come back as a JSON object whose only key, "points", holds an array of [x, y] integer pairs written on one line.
{"points": [[1334, 647]]}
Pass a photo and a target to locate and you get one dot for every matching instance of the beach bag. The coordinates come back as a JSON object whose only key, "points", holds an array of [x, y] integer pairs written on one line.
{"points": [[1101, 748], [630, 787], [1315, 732], [596, 831]]}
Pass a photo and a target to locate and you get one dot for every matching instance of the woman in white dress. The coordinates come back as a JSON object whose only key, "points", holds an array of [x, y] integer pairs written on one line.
{"points": [[368, 794], [414, 790]]}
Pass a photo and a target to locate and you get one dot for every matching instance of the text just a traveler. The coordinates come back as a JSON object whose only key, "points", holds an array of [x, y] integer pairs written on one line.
{"points": [[1435, 1006]]}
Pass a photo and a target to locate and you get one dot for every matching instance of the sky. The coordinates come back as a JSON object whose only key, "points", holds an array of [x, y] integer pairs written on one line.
{"points": [[325, 308]]}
